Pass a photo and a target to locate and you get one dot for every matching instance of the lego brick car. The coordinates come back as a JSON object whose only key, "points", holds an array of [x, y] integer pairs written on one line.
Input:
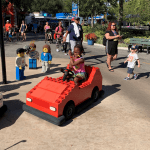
{"points": [[56, 100], [3, 107]]}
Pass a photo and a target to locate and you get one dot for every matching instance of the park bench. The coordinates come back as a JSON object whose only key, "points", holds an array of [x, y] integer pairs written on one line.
{"points": [[141, 43], [135, 41], [146, 42]]}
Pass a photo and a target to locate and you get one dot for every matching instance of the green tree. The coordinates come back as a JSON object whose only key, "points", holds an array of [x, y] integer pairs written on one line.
{"points": [[90, 8], [137, 11], [67, 6], [49, 6]]}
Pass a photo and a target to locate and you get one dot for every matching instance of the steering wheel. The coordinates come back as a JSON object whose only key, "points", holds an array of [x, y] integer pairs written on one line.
{"points": [[67, 72]]}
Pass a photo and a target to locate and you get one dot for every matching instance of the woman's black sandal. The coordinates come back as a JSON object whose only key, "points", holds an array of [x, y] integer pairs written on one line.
{"points": [[111, 70]]}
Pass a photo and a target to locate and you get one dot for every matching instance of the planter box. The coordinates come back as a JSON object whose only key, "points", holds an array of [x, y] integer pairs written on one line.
{"points": [[90, 42]]}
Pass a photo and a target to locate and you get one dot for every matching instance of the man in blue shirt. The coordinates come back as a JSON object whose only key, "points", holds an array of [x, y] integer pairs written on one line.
{"points": [[76, 33]]}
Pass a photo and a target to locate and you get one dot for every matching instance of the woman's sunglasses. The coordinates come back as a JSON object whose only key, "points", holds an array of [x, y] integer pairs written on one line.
{"points": [[113, 25]]}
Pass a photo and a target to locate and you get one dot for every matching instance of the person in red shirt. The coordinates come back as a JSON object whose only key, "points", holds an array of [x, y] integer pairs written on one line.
{"points": [[8, 26], [59, 35]]}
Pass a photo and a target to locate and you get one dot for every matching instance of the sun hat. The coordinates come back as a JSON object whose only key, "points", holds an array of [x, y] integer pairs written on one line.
{"points": [[134, 47]]}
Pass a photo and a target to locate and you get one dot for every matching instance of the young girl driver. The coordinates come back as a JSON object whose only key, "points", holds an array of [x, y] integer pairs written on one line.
{"points": [[77, 64]]}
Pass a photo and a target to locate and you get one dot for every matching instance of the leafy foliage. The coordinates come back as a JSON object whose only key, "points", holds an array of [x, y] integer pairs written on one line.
{"points": [[100, 31], [49, 6], [91, 8], [137, 11], [91, 36], [67, 6]]}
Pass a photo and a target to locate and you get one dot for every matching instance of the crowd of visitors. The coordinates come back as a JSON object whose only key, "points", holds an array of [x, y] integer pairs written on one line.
{"points": [[74, 37]]}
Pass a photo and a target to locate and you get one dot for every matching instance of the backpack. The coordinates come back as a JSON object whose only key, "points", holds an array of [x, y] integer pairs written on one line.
{"points": [[104, 41]]}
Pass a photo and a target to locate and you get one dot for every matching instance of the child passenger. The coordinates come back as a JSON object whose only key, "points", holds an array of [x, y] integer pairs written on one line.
{"points": [[77, 64], [132, 58]]}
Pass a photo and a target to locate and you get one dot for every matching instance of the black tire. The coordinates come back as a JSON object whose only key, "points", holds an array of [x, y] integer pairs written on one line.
{"points": [[101, 93], [95, 94], [3, 109], [69, 111]]}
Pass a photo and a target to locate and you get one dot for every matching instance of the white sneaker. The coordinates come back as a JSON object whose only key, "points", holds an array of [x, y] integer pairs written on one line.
{"points": [[135, 76], [57, 50], [66, 54]]}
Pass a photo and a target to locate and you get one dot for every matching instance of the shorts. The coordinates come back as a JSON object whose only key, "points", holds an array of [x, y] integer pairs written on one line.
{"points": [[81, 74], [130, 70], [35, 29], [10, 36]]}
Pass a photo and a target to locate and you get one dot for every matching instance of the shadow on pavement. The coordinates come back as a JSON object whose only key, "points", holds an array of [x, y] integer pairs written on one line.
{"points": [[6, 87], [29, 37], [14, 110], [146, 74], [88, 60], [109, 90], [52, 71], [94, 57], [52, 65], [121, 65], [86, 52], [16, 144], [121, 58], [10, 95]]}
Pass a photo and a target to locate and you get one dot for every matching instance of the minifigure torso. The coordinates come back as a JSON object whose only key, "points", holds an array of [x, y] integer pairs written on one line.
{"points": [[33, 54], [46, 56], [20, 61]]}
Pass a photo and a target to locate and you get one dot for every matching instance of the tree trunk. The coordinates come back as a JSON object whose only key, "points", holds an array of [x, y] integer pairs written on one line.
{"points": [[95, 18], [120, 13], [92, 20]]}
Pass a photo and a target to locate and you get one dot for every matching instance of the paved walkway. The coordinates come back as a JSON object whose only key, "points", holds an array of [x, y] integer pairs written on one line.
{"points": [[118, 121]]}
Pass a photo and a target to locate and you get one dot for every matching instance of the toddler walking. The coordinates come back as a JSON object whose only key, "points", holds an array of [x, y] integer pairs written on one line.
{"points": [[132, 58]]}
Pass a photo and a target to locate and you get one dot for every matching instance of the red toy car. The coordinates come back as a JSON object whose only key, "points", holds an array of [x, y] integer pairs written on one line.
{"points": [[56, 100]]}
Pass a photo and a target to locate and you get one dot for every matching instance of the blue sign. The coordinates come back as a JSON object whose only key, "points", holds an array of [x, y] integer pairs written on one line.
{"points": [[74, 9], [63, 15]]}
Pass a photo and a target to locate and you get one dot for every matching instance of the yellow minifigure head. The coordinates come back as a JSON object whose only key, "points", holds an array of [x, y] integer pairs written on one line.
{"points": [[46, 49], [20, 52], [32, 46]]}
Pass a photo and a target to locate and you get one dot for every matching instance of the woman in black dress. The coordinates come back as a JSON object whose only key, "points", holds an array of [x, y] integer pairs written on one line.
{"points": [[112, 37]]}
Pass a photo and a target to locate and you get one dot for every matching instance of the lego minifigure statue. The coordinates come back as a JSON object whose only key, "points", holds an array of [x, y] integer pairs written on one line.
{"points": [[46, 58], [20, 64], [33, 56]]}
